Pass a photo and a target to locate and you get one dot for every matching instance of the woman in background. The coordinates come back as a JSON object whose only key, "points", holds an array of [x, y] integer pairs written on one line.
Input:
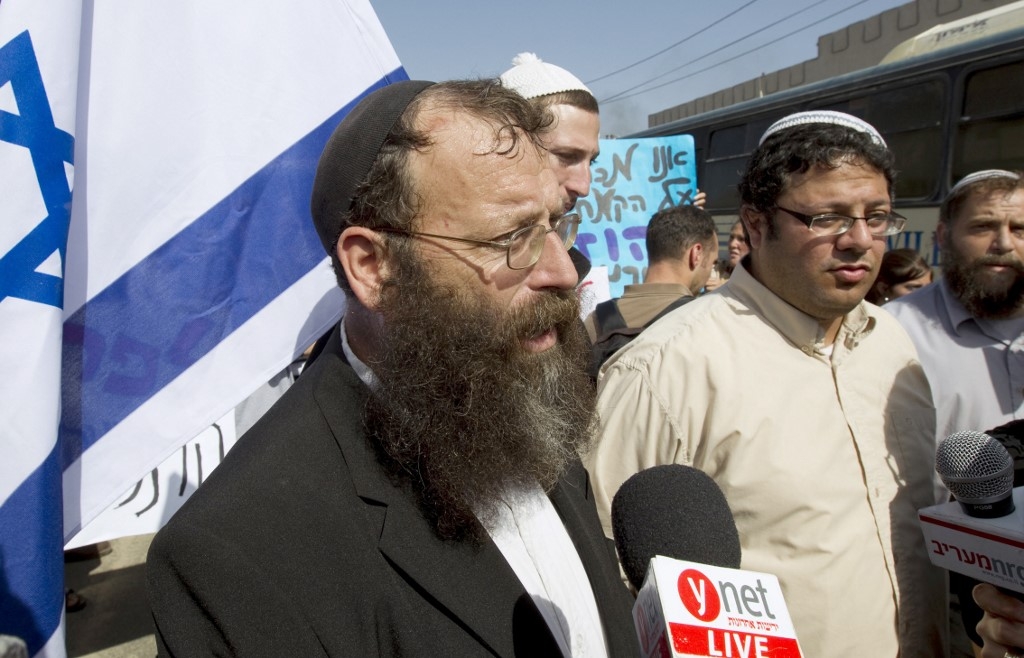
{"points": [[903, 271]]}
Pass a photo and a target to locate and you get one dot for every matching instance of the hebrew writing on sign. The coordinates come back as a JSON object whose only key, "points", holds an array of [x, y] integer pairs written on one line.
{"points": [[632, 180]]}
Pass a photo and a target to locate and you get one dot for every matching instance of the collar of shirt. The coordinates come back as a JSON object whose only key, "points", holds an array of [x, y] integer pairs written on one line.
{"points": [[643, 289], [362, 370], [797, 327]]}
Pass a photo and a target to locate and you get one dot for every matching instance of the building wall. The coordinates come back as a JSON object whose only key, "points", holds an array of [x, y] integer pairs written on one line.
{"points": [[856, 46]]}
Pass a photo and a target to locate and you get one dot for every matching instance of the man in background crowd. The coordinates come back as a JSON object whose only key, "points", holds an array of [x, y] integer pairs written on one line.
{"points": [[572, 142], [806, 405], [418, 491], [682, 245], [969, 326]]}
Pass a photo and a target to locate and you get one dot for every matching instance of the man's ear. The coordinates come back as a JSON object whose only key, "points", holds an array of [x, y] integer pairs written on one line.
{"points": [[756, 224], [695, 256], [363, 256]]}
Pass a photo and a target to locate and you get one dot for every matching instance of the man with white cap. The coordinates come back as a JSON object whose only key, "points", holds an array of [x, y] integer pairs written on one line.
{"points": [[969, 326], [573, 141], [806, 405], [572, 144], [418, 491]]}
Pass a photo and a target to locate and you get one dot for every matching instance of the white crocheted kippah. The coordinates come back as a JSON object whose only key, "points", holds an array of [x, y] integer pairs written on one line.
{"points": [[532, 77], [984, 174], [824, 116]]}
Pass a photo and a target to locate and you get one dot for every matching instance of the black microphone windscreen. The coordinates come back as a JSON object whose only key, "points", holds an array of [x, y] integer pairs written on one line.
{"points": [[978, 471], [676, 511]]}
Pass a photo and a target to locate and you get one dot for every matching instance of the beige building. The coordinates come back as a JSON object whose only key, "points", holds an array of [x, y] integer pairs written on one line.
{"points": [[860, 45]]}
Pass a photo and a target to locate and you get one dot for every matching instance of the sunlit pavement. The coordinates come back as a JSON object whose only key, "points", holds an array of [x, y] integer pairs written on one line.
{"points": [[115, 622]]}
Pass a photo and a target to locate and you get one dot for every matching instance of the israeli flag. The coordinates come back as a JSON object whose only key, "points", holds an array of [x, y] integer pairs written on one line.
{"points": [[157, 258]]}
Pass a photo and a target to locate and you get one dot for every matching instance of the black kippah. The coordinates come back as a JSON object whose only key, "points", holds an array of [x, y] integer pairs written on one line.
{"points": [[352, 150]]}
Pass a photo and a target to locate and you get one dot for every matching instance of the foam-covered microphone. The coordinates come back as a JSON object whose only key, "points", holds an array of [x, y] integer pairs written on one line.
{"points": [[675, 511], [673, 524], [978, 471]]}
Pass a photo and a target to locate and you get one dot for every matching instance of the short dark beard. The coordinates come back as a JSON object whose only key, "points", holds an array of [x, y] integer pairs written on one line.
{"points": [[462, 409], [993, 300]]}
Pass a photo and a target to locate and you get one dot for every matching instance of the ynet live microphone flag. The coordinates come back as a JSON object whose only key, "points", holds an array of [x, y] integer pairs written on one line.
{"points": [[157, 258], [686, 609]]}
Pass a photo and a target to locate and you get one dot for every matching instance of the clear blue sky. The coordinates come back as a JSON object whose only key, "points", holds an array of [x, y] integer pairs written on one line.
{"points": [[445, 39]]}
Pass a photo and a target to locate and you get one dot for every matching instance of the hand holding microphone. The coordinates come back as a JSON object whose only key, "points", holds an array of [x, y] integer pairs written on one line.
{"points": [[981, 536]]}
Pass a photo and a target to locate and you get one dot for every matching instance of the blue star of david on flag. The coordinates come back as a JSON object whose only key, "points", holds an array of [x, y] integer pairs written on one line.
{"points": [[50, 148]]}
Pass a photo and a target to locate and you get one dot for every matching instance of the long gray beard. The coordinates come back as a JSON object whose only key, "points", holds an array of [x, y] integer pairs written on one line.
{"points": [[462, 410]]}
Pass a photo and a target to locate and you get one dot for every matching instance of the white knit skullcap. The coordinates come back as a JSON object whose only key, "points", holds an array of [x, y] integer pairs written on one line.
{"points": [[984, 174], [532, 78], [824, 116]]}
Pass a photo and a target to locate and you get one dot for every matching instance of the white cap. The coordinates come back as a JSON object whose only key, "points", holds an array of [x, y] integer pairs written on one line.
{"points": [[532, 77], [824, 116], [984, 174]]}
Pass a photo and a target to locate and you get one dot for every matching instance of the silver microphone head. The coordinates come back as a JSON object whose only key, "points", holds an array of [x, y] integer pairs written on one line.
{"points": [[978, 471]]}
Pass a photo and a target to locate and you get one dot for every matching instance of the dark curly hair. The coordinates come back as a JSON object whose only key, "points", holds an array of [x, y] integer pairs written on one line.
{"points": [[796, 150]]}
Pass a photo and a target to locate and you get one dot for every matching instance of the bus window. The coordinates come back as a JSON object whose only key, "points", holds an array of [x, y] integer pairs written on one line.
{"points": [[990, 134], [727, 156], [910, 117], [720, 179], [728, 152], [727, 142]]}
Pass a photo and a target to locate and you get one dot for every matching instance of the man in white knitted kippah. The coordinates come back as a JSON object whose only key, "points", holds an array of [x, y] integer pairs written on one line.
{"points": [[573, 143], [805, 404]]}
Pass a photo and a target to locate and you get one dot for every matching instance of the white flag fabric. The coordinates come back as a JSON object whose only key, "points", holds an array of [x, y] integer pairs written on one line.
{"points": [[157, 257]]}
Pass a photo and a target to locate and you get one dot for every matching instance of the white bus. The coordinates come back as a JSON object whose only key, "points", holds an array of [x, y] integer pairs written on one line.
{"points": [[948, 102]]}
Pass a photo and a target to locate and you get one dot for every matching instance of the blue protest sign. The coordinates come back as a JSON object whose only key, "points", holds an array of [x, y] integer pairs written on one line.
{"points": [[632, 180]]}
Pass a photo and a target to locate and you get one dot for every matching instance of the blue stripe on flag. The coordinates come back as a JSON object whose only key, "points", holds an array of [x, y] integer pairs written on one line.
{"points": [[31, 566], [174, 307]]}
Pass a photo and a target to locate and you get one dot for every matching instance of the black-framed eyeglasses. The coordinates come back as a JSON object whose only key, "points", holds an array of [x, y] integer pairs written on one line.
{"points": [[879, 224], [523, 248]]}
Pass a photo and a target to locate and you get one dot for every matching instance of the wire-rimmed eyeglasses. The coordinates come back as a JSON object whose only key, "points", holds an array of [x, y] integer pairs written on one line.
{"points": [[522, 248], [879, 224]]}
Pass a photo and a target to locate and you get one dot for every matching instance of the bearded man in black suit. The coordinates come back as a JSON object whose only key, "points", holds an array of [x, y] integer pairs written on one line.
{"points": [[419, 489]]}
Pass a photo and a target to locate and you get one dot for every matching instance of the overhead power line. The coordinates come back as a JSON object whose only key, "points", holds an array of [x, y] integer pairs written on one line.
{"points": [[677, 43], [624, 94]]}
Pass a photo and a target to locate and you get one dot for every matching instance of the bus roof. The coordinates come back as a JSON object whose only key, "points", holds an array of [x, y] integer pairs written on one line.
{"points": [[970, 28], [1005, 38]]}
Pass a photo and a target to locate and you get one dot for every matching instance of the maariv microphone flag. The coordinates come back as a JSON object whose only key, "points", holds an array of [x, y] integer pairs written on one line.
{"points": [[157, 258]]}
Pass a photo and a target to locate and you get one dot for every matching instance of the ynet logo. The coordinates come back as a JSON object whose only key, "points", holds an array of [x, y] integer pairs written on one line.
{"points": [[732, 614], [704, 601]]}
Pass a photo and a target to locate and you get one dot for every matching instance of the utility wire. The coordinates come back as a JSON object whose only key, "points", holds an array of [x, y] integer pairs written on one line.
{"points": [[668, 48], [713, 52], [622, 95]]}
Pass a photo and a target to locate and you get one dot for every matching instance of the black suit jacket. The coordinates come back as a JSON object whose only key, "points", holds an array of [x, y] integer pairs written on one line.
{"points": [[300, 544]]}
